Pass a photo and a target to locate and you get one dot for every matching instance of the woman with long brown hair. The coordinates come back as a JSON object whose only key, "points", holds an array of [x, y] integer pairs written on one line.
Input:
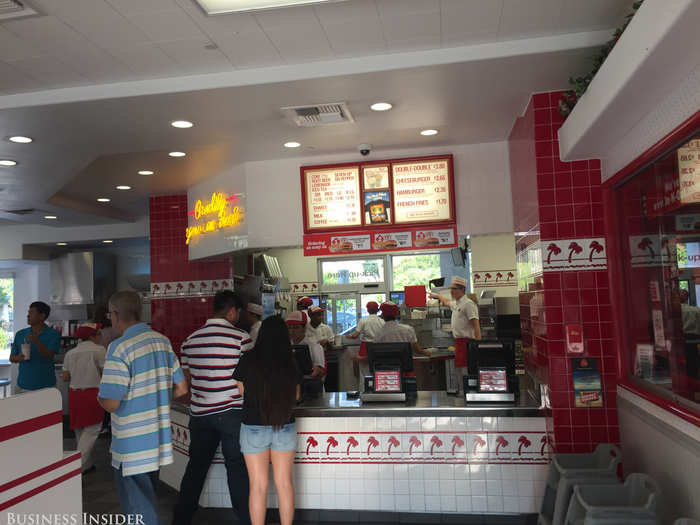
{"points": [[269, 380]]}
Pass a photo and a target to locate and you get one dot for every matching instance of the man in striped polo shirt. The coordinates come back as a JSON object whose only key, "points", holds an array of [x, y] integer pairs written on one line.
{"points": [[140, 372], [209, 357]]}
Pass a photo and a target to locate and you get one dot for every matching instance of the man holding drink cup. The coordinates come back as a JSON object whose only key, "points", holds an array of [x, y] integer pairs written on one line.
{"points": [[34, 348]]}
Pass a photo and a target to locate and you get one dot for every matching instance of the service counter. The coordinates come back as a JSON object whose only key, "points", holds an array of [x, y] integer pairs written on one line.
{"points": [[432, 454]]}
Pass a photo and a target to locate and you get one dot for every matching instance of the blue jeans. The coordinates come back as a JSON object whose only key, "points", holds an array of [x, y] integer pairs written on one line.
{"points": [[137, 495], [206, 432]]}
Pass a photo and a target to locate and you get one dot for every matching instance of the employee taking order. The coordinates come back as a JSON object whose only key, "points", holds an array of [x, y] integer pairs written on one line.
{"points": [[465, 323]]}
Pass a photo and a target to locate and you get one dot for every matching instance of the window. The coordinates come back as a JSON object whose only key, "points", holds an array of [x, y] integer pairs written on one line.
{"points": [[410, 270], [6, 316], [342, 272], [658, 212]]}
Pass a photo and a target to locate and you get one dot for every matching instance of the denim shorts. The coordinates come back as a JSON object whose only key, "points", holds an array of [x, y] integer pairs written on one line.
{"points": [[258, 438]]}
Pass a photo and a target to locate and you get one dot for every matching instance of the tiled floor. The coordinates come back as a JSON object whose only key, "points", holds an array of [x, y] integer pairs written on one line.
{"points": [[100, 497]]}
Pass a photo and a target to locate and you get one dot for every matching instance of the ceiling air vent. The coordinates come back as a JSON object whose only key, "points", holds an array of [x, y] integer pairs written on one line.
{"points": [[318, 115], [15, 9]]}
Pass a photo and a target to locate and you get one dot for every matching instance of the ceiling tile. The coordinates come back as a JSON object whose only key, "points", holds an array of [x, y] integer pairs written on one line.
{"points": [[466, 18], [147, 59], [289, 18], [250, 49], [49, 71], [42, 30], [194, 58], [348, 39], [529, 17], [165, 26], [92, 62], [593, 14], [412, 26], [345, 12], [109, 31], [14, 48], [391, 8], [13, 80], [414, 43], [224, 25], [292, 47], [139, 7]]}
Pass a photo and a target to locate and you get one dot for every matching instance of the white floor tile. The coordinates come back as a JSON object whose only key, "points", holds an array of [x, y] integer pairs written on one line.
{"points": [[448, 503]]}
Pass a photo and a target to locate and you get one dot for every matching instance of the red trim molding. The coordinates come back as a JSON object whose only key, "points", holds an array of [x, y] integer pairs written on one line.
{"points": [[30, 425], [38, 490], [674, 408], [27, 477], [660, 148]]}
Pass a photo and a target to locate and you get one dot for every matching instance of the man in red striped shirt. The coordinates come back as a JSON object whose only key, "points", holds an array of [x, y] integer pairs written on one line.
{"points": [[209, 357]]}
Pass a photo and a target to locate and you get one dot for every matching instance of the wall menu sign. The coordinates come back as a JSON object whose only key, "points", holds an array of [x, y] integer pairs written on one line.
{"points": [[379, 195], [422, 191], [332, 198], [689, 172]]}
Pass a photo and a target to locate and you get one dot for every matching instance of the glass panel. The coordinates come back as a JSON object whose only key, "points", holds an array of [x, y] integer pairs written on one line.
{"points": [[345, 315], [659, 214], [414, 269], [352, 271], [6, 316], [379, 298]]}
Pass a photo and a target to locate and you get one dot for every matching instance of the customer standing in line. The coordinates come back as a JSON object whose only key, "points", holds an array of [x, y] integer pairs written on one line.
{"points": [[141, 373], [82, 368], [270, 380], [210, 355], [33, 348]]}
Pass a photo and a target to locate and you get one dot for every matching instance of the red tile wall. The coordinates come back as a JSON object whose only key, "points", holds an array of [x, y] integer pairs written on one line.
{"points": [[177, 317], [569, 206]]}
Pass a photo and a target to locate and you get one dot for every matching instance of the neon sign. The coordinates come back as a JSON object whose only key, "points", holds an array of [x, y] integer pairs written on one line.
{"points": [[226, 209]]}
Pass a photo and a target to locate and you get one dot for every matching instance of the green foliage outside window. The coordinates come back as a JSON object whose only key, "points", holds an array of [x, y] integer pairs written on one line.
{"points": [[415, 269]]}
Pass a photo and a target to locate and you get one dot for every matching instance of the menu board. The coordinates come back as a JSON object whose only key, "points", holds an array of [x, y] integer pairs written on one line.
{"points": [[421, 191], [689, 172], [378, 195], [332, 198]]}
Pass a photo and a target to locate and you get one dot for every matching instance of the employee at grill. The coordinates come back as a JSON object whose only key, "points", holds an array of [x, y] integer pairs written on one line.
{"points": [[465, 323], [393, 332]]}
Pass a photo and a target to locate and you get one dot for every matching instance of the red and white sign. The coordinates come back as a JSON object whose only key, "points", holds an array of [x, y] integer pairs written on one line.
{"points": [[421, 191], [333, 198], [689, 172], [572, 255], [360, 242], [574, 339]]}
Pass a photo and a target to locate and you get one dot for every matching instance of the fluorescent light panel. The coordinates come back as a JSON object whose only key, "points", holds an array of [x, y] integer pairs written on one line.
{"points": [[220, 7]]}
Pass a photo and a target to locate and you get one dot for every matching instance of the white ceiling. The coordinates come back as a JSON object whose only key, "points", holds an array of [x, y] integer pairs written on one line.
{"points": [[83, 149], [82, 42]]}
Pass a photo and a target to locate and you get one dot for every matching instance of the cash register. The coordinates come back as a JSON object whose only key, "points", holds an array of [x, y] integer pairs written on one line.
{"points": [[391, 373], [491, 372]]}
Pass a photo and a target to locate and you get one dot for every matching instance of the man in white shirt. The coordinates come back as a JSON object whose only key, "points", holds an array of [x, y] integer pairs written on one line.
{"points": [[254, 313], [393, 332], [465, 323], [296, 323], [82, 367], [368, 328], [317, 330]]}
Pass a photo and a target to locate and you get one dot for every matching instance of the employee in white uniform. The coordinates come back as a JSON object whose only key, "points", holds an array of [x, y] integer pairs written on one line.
{"points": [[367, 328], [317, 330], [393, 332], [465, 323], [296, 324], [254, 316]]}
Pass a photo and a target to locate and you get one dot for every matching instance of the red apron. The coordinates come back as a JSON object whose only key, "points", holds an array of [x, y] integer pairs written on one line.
{"points": [[84, 408], [461, 351], [363, 349]]}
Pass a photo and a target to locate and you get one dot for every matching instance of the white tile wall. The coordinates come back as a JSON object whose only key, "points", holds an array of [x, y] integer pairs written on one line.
{"points": [[462, 475]]}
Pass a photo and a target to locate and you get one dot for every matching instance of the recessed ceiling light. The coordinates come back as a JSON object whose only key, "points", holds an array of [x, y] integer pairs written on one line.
{"points": [[177, 153], [103, 199], [381, 106], [108, 241], [50, 217], [429, 132], [292, 144], [61, 244], [19, 139], [123, 187], [182, 124], [219, 7], [145, 172], [8, 162]]}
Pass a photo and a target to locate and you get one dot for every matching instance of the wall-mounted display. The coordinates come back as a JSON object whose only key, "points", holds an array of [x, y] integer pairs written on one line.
{"points": [[422, 191], [375, 177], [377, 206], [332, 198]]}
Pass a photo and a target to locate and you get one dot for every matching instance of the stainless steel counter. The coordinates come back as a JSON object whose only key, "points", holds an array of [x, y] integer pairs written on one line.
{"points": [[438, 404]]}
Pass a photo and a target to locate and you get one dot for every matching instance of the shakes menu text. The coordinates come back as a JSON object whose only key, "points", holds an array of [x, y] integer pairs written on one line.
{"points": [[333, 198], [378, 195]]}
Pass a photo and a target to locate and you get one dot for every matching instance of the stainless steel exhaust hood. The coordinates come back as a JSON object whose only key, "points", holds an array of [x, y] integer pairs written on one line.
{"points": [[82, 278]]}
